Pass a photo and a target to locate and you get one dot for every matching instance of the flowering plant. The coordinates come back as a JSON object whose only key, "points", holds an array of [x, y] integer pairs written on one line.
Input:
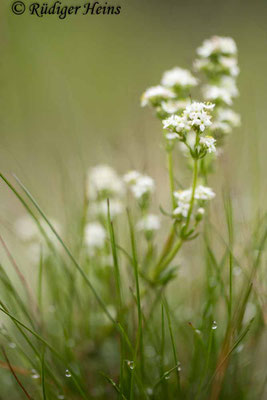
{"points": [[104, 306]]}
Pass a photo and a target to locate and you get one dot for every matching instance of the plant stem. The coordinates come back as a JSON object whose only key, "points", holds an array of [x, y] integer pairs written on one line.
{"points": [[171, 178], [168, 258], [194, 185], [139, 342], [166, 306]]}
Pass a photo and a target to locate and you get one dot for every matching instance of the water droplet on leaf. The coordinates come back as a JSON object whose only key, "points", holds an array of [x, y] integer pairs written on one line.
{"points": [[130, 364], [34, 374], [67, 373], [214, 325]]}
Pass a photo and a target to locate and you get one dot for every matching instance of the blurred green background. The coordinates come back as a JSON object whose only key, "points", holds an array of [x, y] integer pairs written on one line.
{"points": [[70, 94]]}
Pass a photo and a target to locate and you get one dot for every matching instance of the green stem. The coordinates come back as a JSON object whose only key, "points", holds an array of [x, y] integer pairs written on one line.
{"points": [[194, 185], [166, 306], [169, 257], [171, 178], [204, 375]]}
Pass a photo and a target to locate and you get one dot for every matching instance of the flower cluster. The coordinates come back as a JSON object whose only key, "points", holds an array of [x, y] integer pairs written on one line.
{"points": [[95, 237], [103, 182], [142, 187], [155, 95], [172, 96], [103, 185], [199, 126], [185, 198], [217, 59], [190, 128], [217, 55], [149, 224], [106, 192], [178, 79]]}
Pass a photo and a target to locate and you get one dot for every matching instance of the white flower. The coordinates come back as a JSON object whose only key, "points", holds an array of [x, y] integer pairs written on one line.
{"points": [[173, 106], [178, 77], [197, 115], [156, 94], [26, 228], [200, 211], [226, 90], [175, 122], [143, 185], [131, 177], [199, 107], [172, 136], [140, 184], [209, 143], [201, 193], [149, 223], [213, 92], [215, 45], [103, 179], [222, 126], [101, 208], [230, 64], [95, 235], [181, 210], [201, 63], [183, 196], [229, 83], [228, 115], [204, 193]]}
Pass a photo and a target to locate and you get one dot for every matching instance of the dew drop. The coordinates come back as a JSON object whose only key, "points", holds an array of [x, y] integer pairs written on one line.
{"points": [[167, 376], [179, 367], [214, 325], [34, 374], [67, 373], [12, 345], [130, 364]]}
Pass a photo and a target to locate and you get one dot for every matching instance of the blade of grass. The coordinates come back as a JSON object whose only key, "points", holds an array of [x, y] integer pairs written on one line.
{"points": [[114, 385], [166, 306], [51, 348], [229, 218], [14, 295], [237, 342], [15, 376], [166, 374], [76, 264], [40, 282], [20, 275], [43, 374], [119, 293], [139, 308]]}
